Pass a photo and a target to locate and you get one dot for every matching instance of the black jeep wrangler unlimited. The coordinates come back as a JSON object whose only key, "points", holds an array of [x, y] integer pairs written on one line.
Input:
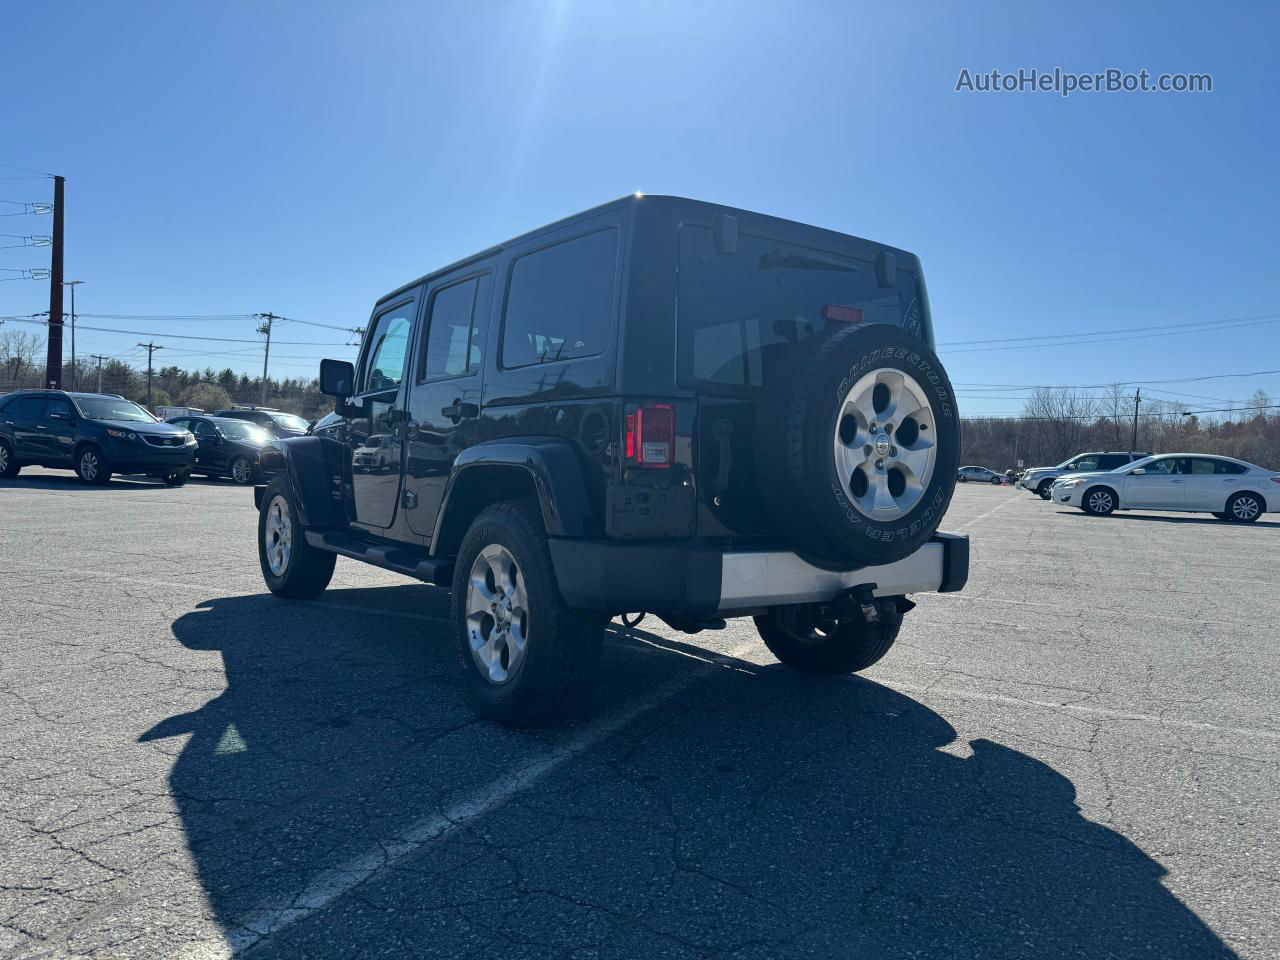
{"points": [[658, 405]]}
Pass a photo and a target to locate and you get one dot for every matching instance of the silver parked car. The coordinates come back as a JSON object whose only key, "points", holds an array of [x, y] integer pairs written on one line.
{"points": [[1229, 489]]}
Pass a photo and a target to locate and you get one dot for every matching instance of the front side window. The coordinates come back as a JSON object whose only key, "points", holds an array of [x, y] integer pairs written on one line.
{"points": [[242, 430], [1164, 468], [560, 303], [202, 429], [58, 405], [113, 408], [1085, 463], [387, 348], [452, 347]]}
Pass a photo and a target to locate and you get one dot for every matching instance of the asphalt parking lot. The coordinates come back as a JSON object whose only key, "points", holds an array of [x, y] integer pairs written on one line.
{"points": [[1076, 757]]}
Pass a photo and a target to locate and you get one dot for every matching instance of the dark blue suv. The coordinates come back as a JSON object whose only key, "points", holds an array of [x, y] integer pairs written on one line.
{"points": [[94, 434]]}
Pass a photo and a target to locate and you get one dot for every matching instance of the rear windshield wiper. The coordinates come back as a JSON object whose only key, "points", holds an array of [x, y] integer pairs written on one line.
{"points": [[802, 261]]}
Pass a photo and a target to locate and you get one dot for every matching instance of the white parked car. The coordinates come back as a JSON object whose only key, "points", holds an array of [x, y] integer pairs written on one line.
{"points": [[979, 475], [1192, 482]]}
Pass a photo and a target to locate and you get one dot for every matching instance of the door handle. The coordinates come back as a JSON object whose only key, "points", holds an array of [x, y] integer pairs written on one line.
{"points": [[41, 426], [458, 411], [1175, 481]]}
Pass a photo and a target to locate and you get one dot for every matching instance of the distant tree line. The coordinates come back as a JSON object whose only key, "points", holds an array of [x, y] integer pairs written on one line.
{"points": [[1057, 423], [22, 366]]}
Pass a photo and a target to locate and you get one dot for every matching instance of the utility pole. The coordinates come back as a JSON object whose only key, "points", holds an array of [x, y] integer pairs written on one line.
{"points": [[53, 362], [101, 359], [151, 348], [268, 319], [1137, 399], [75, 372]]}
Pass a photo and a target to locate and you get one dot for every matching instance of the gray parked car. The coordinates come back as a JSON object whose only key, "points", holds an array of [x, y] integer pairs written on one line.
{"points": [[1040, 480]]}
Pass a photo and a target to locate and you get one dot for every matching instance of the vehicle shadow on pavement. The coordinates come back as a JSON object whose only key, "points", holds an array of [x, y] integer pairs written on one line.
{"points": [[47, 481], [756, 813], [1161, 518]]}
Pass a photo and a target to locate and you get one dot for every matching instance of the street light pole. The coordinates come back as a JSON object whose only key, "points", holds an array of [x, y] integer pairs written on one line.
{"points": [[75, 373]]}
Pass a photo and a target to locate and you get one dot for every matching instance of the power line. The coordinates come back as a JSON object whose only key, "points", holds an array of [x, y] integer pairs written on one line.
{"points": [[1091, 333], [188, 336], [1109, 339], [1114, 383], [14, 166]]}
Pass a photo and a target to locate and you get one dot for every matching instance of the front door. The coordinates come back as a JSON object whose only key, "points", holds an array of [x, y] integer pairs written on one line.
{"points": [[1162, 487], [375, 435], [444, 407], [208, 447], [59, 433]]}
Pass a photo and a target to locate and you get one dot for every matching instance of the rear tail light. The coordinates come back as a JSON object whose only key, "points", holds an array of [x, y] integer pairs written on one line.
{"points": [[650, 439]]}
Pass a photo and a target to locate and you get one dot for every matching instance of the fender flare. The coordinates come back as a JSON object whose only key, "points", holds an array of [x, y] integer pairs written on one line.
{"points": [[553, 466], [312, 467]]}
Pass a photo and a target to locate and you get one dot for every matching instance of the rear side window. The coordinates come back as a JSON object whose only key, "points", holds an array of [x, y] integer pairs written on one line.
{"points": [[1109, 461], [1227, 467], [560, 302], [28, 408]]}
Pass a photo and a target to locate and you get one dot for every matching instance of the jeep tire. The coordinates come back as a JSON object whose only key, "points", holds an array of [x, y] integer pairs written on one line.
{"points": [[828, 647], [858, 445], [290, 566], [527, 658]]}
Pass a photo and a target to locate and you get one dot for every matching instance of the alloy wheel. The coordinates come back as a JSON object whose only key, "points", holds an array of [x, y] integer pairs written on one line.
{"points": [[497, 614], [4, 458], [884, 444], [241, 471], [278, 536], [1245, 508], [1100, 501], [89, 465]]}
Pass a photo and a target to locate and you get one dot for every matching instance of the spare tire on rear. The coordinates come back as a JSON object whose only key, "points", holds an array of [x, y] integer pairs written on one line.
{"points": [[858, 443]]}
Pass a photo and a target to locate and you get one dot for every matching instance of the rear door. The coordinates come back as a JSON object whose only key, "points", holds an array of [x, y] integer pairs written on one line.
{"points": [[28, 427], [1211, 482], [379, 378], [1163, 486], [444, 402]]}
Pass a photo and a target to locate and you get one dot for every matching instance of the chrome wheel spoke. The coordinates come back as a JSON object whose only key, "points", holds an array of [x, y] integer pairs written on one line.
{"points": [[497, 614]]}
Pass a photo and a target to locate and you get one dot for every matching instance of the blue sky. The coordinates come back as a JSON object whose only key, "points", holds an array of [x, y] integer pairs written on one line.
{"points": [[304, 158]]}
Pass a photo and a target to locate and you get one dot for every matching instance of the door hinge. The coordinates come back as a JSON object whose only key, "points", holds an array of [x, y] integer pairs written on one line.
{"points": [[408, 499]]}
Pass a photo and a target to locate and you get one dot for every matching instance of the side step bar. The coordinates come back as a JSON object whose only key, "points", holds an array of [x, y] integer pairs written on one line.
{"points": [[396, 559]]}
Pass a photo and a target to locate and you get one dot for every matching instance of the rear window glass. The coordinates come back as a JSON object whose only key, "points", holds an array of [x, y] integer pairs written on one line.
{"points": [[738, 313], [560, 302]]}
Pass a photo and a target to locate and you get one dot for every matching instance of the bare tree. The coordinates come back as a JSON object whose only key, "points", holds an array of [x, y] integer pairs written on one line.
{"points": [[1063, 417], [19, 351]]}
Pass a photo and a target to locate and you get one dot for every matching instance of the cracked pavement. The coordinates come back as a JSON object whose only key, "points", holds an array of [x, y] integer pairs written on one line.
{"points": [[1076, 757]]}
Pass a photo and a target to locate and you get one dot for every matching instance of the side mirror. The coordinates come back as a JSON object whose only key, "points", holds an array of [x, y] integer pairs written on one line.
{"points": [[337, 378], [1141, 471]]}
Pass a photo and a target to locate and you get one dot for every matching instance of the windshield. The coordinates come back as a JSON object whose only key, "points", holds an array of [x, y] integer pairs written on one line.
{"points": [[737, 313], [290, 422], [113, 408], [243, 430]]}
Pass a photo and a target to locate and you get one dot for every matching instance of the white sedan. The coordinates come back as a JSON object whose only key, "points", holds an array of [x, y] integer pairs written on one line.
{"points": [[1192, 482]]}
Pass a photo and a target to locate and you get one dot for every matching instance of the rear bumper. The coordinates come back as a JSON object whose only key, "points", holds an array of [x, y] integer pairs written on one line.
{"points": [[699, 581]]}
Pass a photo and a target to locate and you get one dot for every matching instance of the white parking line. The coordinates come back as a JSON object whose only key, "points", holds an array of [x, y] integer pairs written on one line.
{"points": [[1255, 733], [331, 884]]}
